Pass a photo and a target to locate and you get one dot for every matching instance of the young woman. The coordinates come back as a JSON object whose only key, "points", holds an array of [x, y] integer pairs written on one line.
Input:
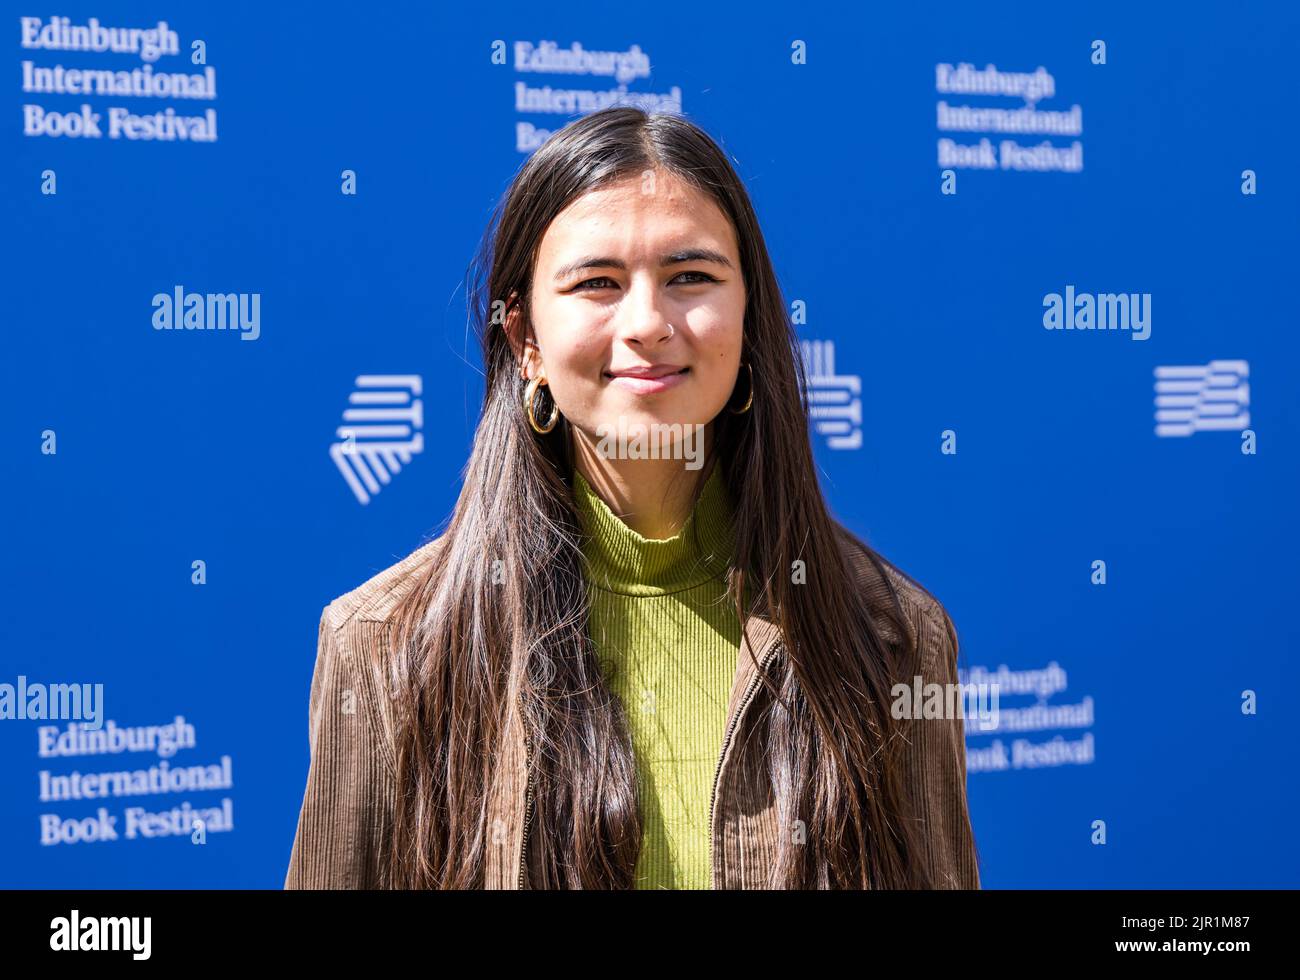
{"points": [[630, 661]]}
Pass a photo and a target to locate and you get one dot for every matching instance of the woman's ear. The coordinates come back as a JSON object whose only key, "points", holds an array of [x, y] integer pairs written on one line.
{"points": [[530, 364], [523, 346]]}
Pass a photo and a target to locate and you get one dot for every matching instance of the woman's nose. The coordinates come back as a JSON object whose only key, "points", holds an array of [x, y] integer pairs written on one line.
{"points": [[643, 318]]}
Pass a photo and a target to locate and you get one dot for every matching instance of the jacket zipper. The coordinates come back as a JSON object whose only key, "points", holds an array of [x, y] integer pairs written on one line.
{"points": [[750, 690], [528, 798]]}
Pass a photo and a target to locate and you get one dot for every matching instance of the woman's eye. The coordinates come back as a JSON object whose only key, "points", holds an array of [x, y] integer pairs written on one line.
{"points": [[701, 277]]}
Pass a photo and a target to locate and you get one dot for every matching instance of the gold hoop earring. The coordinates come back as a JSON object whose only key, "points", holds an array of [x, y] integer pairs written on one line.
{"points": [[749, 401], [530, 394]]}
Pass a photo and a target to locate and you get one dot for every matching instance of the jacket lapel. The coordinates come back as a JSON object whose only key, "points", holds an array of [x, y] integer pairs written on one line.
{"points": [[742, 827], [736, 855]]}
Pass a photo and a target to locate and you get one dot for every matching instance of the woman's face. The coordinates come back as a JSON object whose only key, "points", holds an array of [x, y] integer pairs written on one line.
{"points": [[614, 270]]}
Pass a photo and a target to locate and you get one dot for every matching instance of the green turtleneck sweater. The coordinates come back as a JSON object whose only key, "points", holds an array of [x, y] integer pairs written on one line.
{"points": [[667, 640]]}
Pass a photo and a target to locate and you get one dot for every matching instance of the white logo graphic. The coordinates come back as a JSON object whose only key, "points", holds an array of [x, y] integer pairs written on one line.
{"points": [[832, 398], [368, 453], [1196, 398]]}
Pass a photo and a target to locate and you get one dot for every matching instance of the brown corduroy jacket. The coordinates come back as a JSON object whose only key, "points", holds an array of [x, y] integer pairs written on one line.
{"points": [[345, 820]]}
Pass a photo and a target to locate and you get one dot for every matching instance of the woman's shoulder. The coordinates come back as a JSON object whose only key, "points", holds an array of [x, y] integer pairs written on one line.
{"points": [[880, 582], [374, 600], [354, 651]]}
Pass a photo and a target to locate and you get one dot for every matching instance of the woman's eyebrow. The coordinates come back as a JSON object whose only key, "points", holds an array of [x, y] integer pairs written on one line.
{"points": [[672, 258]]}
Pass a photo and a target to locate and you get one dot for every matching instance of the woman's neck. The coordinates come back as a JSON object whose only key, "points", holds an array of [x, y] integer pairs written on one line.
{"points": [[654, 497]]}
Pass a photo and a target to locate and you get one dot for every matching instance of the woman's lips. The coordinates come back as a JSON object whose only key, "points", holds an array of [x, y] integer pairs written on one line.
{"points": [[648, 386]]}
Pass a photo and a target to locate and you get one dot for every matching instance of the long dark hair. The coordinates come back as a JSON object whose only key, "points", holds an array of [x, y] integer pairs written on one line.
{"points": [[499, 617]]}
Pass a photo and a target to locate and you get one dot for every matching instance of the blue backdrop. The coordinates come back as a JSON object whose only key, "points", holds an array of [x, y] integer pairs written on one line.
{"points": [[995, 460]]}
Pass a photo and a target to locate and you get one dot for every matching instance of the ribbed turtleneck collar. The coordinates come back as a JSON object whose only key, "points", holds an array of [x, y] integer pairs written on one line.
{"points": [[620, 560]]}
